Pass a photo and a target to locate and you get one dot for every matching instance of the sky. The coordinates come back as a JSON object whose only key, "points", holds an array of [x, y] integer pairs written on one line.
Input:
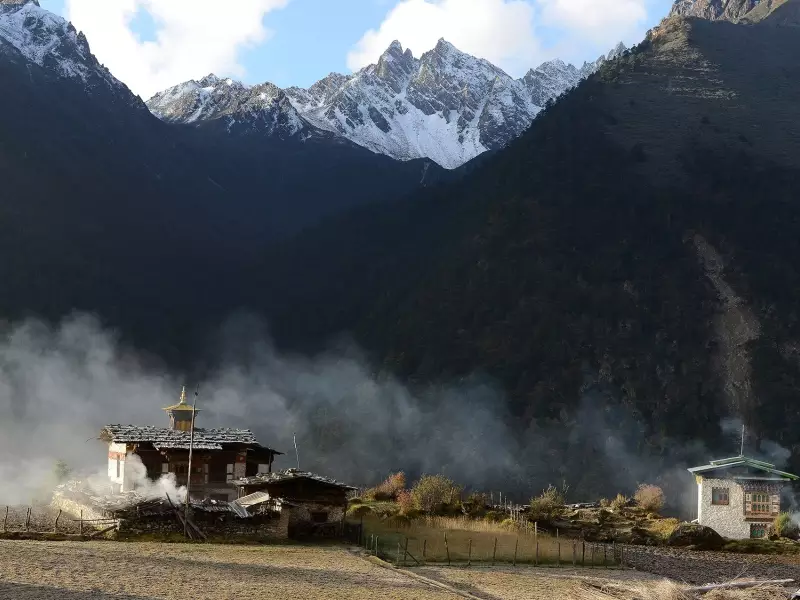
{"points": [[154, 44]]}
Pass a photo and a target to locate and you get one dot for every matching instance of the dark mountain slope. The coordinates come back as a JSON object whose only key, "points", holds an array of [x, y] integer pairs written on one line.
{"points": [[105, 208], [633, 251]]}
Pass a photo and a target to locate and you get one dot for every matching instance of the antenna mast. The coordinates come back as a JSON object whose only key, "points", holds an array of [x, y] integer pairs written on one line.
{"points": [[189, 470], [741, 453]]}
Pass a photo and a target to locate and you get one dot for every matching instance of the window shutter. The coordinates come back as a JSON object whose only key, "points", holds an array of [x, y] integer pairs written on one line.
{"points": [[748, 502], [776, 504]]}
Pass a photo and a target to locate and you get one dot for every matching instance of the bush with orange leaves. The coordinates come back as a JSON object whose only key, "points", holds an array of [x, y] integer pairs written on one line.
{"points": [[389, 489], [650, 497]]}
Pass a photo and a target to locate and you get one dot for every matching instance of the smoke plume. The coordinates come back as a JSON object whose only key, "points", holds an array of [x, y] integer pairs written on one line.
{"points": [[60, 385]]}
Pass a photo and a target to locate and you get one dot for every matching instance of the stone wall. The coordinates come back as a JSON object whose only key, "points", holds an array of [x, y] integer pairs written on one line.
{"points": [[225, 525]]}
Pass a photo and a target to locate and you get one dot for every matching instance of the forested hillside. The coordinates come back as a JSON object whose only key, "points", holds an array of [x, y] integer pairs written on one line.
{"points": [[633, 253]]}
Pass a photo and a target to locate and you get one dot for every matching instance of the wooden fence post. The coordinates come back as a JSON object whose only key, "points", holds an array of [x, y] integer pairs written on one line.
{"points": [[55, 525], [405, 552], [5, 520], [583, 553], [424, 548], [494, 552], [469, 553], [593, 556], [516, 546], [28, 519], [574, 552], [398, 554], [80, 524], [605, 556], [447, 548], [558, 564], [536, 560], [376, 545]]}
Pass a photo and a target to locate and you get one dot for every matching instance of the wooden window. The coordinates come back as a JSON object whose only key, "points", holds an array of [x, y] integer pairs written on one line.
{"points": [[228, 472], [164, 468], [761, 503], [758, 530], [776, 504], [720, 496], [319, 517]]}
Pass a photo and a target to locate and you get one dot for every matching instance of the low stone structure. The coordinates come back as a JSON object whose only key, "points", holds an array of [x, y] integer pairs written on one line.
{"points": [[316, 504], [131, 514]]}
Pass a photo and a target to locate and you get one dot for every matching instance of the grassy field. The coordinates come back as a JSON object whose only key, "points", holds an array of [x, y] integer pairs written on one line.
{"points": [[439, 540]]}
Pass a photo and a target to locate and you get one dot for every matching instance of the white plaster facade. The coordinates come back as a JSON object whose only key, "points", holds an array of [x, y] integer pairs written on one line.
{"points": [[729, 520], [117, 455]]}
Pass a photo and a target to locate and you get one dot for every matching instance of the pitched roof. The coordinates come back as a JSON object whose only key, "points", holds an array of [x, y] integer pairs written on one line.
{"points": [[741, 461], [164, 437], [289, 475]]}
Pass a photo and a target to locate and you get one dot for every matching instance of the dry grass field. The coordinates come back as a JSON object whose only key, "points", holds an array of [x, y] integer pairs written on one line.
{"points": [[152, 571], [157, 571]]}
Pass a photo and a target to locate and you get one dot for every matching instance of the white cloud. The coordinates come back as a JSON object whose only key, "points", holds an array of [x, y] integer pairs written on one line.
{"points": [[501, 31], [601, 20], [513, 34], [193, 37]]}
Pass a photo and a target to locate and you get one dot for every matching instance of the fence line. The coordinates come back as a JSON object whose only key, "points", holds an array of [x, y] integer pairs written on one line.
{"points": [[29, 519], [412, 547]]}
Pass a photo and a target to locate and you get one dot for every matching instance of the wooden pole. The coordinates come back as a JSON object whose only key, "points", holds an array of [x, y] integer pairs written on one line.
{"points": [[593, 556], [574, 552], [398, 554], [516, 547], [80, 524], [447, 548], [405, 552], [424, 548], [469, 553], [559, 555], [189, 474], [537, 553], [376, 545], [28, 519], [55, 525], [5, 520], [605, 557], [494, 552], [583, 553]]}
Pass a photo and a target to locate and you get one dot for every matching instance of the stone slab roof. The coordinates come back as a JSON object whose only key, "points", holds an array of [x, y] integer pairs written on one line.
{"points": [[289, 475], [164, 437]]}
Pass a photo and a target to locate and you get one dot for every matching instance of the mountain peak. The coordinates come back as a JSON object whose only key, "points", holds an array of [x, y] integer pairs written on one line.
{"points": [[395, 46], [714, 10]]}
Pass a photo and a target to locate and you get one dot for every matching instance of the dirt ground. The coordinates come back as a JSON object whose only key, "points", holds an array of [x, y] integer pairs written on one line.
{"points": [[507, 583], [155, 571], [150, 571]]}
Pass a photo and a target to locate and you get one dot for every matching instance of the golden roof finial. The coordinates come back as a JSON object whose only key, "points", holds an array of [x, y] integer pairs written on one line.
{"points": [[183, 395]]}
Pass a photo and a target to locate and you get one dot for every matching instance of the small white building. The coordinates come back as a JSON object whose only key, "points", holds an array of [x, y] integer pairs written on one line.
{"points": [[739, 497]]}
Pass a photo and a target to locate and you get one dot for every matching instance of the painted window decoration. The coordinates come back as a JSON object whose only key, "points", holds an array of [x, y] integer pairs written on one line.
{"points": [[758, 530], [720, 496], [761, 503]]}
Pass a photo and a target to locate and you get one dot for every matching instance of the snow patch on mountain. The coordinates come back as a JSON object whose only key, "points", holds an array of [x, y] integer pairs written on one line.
{"points": [[446, 105], [52, 43]]}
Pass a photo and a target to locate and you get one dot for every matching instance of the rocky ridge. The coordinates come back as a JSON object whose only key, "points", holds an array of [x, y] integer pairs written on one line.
{"points": [[446, 105]]}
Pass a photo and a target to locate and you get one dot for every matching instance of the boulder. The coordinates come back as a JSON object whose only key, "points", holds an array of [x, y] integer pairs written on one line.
{"points": [[695, 537]]}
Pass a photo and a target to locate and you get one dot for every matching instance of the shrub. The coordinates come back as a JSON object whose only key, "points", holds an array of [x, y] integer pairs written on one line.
{"points": [[619, 502], [548, 505], [494, 516], [388, 489], [605, 502], [650, 497], [434, 492], [783, 526], [476, 504], [406, 502], [355, 501]]}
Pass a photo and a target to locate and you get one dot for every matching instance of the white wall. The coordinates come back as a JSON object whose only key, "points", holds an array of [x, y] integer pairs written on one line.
{"points": [[121, 450], [728, 521]]}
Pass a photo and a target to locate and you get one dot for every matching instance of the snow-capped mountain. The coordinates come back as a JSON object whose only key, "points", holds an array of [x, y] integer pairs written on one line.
{"points": [[447, 105], [263, 108], [30, 33]]}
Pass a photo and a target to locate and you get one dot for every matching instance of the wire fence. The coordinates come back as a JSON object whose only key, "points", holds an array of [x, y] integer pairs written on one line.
{"points": [[418, 544], [44, 519]]}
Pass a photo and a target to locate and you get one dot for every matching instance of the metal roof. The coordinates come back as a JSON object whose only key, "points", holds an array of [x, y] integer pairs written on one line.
{"points": [[289, 475], [166, 438], [741, 461]]}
